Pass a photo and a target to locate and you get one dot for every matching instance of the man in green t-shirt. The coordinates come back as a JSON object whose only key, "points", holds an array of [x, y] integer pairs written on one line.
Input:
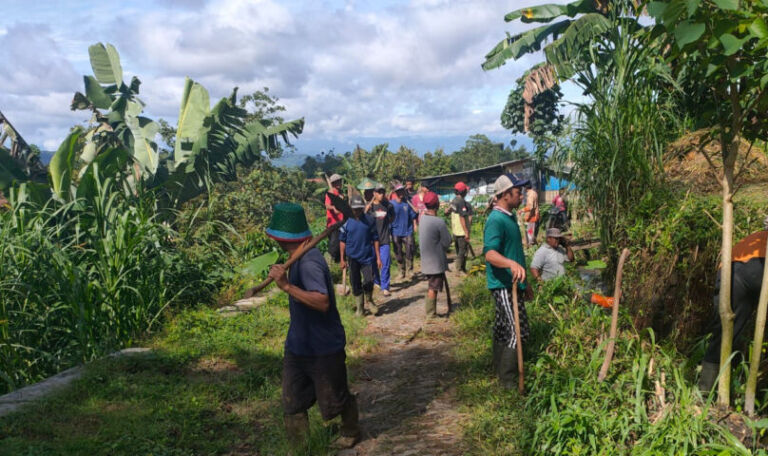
{"points": [[505, 268]]}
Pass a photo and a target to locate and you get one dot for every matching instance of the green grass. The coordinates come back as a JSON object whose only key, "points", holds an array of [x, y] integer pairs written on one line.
{"points": [[210, 386], [565, 409]]}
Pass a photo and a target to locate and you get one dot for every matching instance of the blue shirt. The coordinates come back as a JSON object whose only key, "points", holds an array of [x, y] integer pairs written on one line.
{"points": [[404, 217], [358, 235], [313, 333]]}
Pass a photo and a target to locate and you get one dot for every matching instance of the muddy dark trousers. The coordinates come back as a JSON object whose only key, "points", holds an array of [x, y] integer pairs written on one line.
{"points": [[460, 243], [361, 276], [403, 252], [334, 248], [746, 281], [321, 379]]}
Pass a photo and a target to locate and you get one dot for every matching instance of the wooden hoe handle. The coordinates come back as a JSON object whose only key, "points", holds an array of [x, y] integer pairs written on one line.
{"points": [[614, 317], [520, 369], [305, 247]]}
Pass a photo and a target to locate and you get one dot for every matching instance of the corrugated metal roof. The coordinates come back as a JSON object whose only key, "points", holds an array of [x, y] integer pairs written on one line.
{"points": [[460, 173]]}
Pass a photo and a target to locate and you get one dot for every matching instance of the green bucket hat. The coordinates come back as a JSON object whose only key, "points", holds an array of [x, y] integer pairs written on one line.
{"points": [[367, 184], [289, 223]]}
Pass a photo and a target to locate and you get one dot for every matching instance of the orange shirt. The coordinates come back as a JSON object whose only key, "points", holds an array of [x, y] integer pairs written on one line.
{"points": [[752, 246]]}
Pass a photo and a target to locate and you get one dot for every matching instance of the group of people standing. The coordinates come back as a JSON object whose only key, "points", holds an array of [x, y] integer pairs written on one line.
{"points": [[383, 226], [314, 367]]}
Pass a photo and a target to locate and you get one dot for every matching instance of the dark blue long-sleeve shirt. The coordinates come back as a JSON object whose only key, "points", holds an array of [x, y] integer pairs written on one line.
{"points": [[358, 236], [404, 217]]}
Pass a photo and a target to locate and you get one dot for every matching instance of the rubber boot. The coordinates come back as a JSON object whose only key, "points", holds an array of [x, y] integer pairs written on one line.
{"points": [[369, 299], [505, 364], [350, 427], [709, 372], [297, 432], [360, 305], [430, 306]]}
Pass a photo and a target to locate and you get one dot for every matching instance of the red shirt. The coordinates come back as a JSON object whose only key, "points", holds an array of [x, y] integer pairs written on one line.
{"points": [[330, 216]]}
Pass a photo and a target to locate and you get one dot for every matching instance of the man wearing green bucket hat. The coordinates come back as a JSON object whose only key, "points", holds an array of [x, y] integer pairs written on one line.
{"points": [[314, 365]]}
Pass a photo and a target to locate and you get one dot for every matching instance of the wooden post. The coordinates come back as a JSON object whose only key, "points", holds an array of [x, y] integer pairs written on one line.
{"points": [[757, 345], [614, 317]]}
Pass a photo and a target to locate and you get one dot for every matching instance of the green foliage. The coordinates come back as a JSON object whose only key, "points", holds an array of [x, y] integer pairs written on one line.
{"points": [[209, 382], [558, 414], [84, 278]]}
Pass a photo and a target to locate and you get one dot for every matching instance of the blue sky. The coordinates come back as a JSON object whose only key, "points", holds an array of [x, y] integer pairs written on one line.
{"points": [[405, 71]]}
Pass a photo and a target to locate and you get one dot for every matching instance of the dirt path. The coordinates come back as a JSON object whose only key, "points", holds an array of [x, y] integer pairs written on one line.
{"points": [[406, 387]]}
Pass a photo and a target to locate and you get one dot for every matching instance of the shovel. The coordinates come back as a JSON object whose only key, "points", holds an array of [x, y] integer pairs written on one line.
{"points": [[337, 202]]}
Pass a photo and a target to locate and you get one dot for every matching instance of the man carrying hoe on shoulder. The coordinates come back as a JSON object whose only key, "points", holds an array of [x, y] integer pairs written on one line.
{"points": [[314, 368], [505, 268]]}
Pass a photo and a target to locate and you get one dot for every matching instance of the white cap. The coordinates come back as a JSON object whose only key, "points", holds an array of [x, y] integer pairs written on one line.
{"points": [[502, 184], [334, 178]]}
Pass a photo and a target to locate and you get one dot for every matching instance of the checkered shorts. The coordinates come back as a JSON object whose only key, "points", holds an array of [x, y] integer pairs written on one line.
{"points": [[504, 323]]}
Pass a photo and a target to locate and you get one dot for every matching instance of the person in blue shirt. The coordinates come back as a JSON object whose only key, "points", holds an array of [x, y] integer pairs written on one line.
{"points": [[359, 240], [402, 230], [314, 364]]}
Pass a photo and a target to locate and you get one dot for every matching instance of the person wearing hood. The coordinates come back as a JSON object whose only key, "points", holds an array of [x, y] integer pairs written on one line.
{"points": [[747, 267]]}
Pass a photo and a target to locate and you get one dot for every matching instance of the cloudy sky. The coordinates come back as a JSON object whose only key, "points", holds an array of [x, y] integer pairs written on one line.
{"points": [[359, 72]]}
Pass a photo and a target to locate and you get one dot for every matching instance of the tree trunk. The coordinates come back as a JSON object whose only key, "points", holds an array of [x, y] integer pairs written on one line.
{"points": [[730, 151], [757, 345]]}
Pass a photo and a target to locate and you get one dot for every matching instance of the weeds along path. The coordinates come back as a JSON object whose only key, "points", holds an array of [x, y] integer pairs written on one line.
{"points": [[406, 386]]}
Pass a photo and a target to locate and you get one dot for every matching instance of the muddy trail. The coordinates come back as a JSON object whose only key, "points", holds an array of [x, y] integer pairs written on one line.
{"points": [[406, 387]]}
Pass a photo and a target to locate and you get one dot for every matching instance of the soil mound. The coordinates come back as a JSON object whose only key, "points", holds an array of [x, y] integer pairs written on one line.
{"points": [[687, 166]]}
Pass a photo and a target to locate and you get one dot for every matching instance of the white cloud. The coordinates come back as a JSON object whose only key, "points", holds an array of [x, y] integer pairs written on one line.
{"points": [[350, 68]]}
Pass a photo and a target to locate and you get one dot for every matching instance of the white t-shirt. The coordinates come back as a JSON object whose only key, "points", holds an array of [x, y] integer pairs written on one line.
{"points": [[550, 261]]}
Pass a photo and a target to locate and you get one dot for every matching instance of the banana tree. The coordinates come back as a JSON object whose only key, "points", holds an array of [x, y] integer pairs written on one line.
{"points": [[565, 38], [210, 143]]}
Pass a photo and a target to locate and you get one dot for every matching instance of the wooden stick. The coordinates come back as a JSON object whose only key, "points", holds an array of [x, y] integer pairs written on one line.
{"points": [[520, 370], [305, 247], [614, 317], [447, 294]]}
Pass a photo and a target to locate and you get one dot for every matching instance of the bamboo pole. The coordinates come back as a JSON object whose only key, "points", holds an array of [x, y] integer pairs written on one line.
{"points": [[757, 345], [614, 317]]}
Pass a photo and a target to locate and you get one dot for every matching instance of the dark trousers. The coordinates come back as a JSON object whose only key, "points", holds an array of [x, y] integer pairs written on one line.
{"points": [[460, 242], [334, 249], [403, 250], [361, 276], [746, 281], [310, 379]]}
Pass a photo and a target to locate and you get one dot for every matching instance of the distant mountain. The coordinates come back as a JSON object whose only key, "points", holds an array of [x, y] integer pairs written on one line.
{"points": [[291, 159], [46, 155]]}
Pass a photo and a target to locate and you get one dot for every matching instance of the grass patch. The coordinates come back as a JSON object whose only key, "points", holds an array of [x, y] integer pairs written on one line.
{"points": [[648, 405], [210, 386]]}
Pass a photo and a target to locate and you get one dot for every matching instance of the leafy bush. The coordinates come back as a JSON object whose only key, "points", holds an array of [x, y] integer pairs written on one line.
{"points": [[84, 278]]}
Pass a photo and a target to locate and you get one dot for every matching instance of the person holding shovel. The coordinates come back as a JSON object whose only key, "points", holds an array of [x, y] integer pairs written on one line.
{"points": [[359, 241], [384, 214], [505, 268], [434, 241], [314, 364]]}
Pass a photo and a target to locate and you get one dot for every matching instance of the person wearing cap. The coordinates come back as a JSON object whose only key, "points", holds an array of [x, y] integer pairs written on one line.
{"points": [[359, 241], [505, 268], [333, 216], [314, 363], [434, 241], [461, 223], [549, 260], [367, 186], [747, 268], [384, 214], [402, 230], [531, 214]]}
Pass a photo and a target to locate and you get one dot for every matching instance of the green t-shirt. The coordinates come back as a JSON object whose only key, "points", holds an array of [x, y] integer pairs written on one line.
{"points": [[502, 235]]}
